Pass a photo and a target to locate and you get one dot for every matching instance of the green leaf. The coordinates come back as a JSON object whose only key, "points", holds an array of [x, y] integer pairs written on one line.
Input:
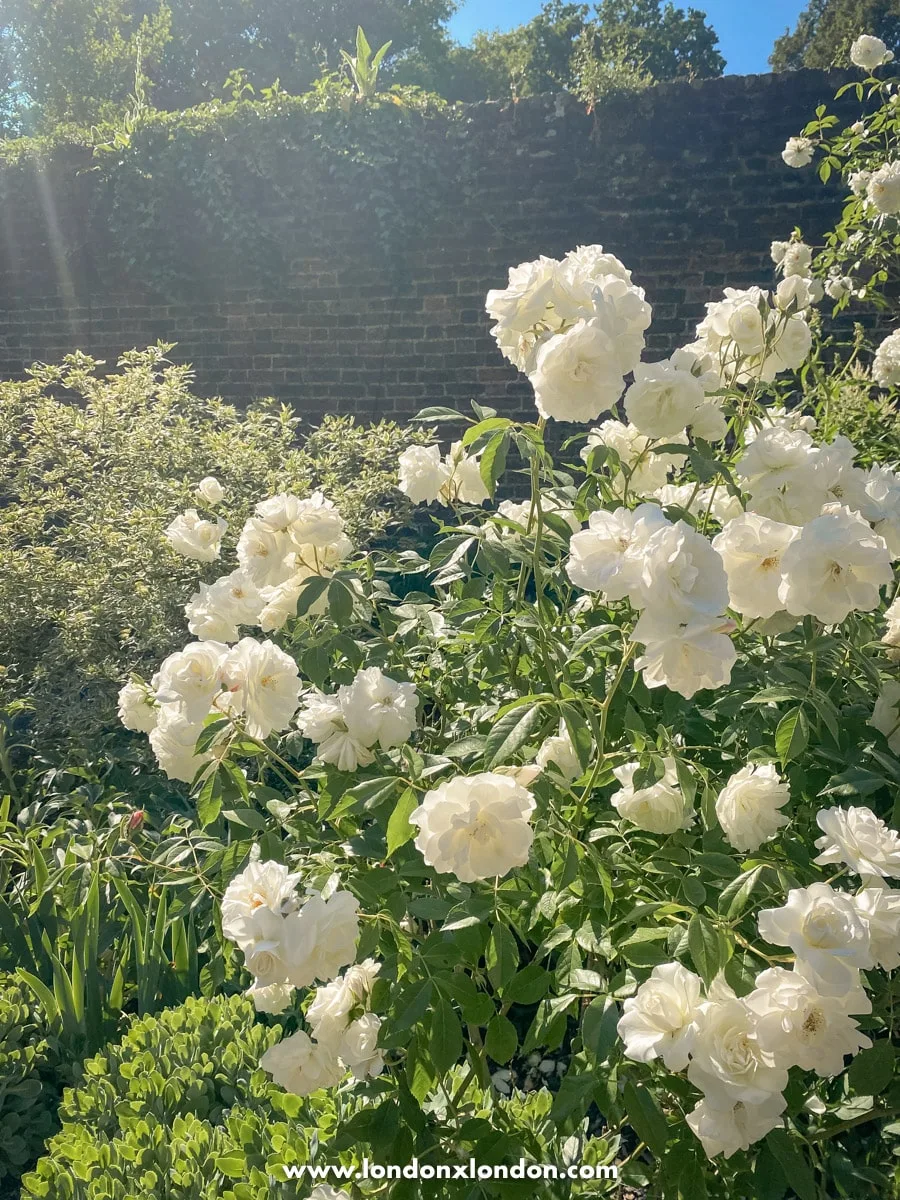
{"points": [[598, 1027], [399, 830], [646, 1118], [705, 948], [735, 896], [792, 735], [501, 956], [796, 1169], [437, 414], [509, 733], [501, 1039], [340, 602], [211, 796], [872, 1070], [446, 1043], [492, 463], [528, 985], [312, 590]]}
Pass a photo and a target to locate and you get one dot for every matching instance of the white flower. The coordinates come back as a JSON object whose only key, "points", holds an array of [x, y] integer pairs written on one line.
{"points": [[751, 548], [192, 537], [859, 182], [659, 807], [798, 151], [137, 710], [886, 714], [191, 678], [659, 1020], [859, 839], [778, 250], [475, 827], [607, 557], [796, 261], [839, 286], [174, 740], [825, 932], [725, 1126], [217, 609], [262, 889], [465, 485], [800, 1027], [521, 513], [264, 683], [523, 310], [302, 1066], [880, 505], [560, 752], [312, 521], [210, 491], [892, 626], [278, 604], [782, 474], [685, 653], [270, 998], [886, 366], [359, 1047], [662, 400], [747, 807], [835, 566], [682, 575], [329, 1014], [577, 375], [324, 1191], [378, 709], [869, 52], [883, 188], [727, 1057], [645, 470], [423, 474], [879, 908], [793, 294], [344, 751], [266, 555], [320, 716]]}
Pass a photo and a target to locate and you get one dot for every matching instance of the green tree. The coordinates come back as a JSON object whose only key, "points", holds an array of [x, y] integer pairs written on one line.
{"points": [[826, 28], [576, 47], [76, 60]]}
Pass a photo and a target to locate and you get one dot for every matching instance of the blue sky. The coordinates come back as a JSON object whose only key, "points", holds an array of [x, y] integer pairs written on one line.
{"points": [[746, 31]]}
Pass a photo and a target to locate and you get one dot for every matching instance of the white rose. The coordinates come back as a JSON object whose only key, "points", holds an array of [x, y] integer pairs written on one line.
{"points": [[271, 998], [560, 752], [727, 1056], [264, 683], [301, 1066], [217, 609], [359, 1047], [825, 932], [423, 474], [329, 937], [869, 52], [659, 1021], [662, 400], [192, 537], [747, 807], [725, 1126], [344, 751], [174, 742], [751, 548], [646, 470], [682, 574], [329, 1013], [879, 908], [797, 261], [475, 827], [576, 375], [190, 679], [607, 557], [658, 808], [856, 837], [262, 888], [835, 566], [886, 366], [883, 188], [685, 652], [378, 709], [798, 151], [799, 1027], [210, 491], [137, 708]]}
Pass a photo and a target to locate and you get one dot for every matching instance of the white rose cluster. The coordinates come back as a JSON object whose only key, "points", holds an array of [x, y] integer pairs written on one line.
{"points": [[252, 681], [344, 1037], [575, 326], [748, 337], [798, 151], [869, 52], [288, 941], [738, 1052], [673, 575], [886, 364], [426, 477], [372, 710], [191, 536], [644, 471]]}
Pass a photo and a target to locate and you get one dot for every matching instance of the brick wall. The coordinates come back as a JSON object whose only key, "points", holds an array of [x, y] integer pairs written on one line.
{"points": [[684, 182]]}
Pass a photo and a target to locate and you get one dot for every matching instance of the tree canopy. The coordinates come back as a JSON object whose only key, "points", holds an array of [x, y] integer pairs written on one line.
{"points": [[826, 29], [79, 61]]}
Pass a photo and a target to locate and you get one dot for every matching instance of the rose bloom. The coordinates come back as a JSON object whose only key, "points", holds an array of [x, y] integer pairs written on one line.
{"points": [[270, 998], [607, 557], [576, 375], [264, 683], [800, 1027], [174, 743], [879, 908], [261, 887], [301, 1066], [423, 473], [659, 1020], [727, 1057], [725, 1126], [210, 491], [193, 537], [883, 189], [662, 400], [658, 808], [643, 470], [475, 826], [378, 709], [215, 611], [191, 678], [359, 1047], [682, 573], [869, 52], [825, 932], [751, 548], [798, 151], [137, 708], [886, 365], [747, 807], [835, 566], [559, 752], [685, 651], [329, 1014], [856, 837]]}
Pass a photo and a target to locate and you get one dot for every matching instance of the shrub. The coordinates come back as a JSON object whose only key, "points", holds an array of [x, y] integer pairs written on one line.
{"points": [[92, 469], [157, 1113], [28, 1097]]}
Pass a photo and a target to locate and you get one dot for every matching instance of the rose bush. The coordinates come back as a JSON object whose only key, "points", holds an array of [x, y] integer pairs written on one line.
{"points": [[612, 773]]}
